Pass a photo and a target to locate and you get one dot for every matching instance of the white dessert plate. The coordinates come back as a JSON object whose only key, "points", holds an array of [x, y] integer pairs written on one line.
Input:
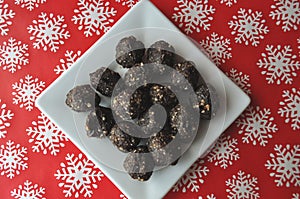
{"points": [[147, 23]]}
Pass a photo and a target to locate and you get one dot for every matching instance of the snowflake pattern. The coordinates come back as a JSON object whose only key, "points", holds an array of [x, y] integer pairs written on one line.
{"points": [[192, 178], [296, 196], [46, 136], [26, 91], [224, 152], [122, 196], [242, 186], [79, 176], [279, 64], [217, 48], [210, 196], [5, 116], [241, 80], [287, 13], [228, 3], [48, 32], [5, 16], [128, 3], [193, 15], [13, 55], [298, 40], [29, 4], [68, 61], [12, 159], [248, 26], [256, 125], [290, 107], [94, 16], [28, 191], [285, 164]]}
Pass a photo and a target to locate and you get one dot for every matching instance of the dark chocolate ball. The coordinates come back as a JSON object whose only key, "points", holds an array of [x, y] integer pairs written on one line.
{"points": [[208, 101], [104, 80], [163, 95], [99, 122], [190, 73], [129, 51], [160, 52], [82, 98], [139, 164], [122, 140]]}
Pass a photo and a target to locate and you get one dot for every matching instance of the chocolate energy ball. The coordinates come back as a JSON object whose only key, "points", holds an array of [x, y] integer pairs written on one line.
{"points": [[99, 122], [152, 121], [188, 70], [164, 148], [208, 101], [82, 98], [128, 106], [136, 76], [163, 95], [183, 123], [129, 51], [122, 140], [139, 164], [160, 52], [104, 80]]}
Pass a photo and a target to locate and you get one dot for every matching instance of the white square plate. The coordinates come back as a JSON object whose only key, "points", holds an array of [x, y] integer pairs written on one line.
{"points": [[144, 15]]}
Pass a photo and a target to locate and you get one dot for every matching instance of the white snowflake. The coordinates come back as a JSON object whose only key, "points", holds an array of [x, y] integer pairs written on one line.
{"points": [[217, 47], [12, 159], [46, 136], [224, 152], [193, 15], [68, 61], [285, 164], [242, 186], [291, 107], [122, 196], [94, 16], [298, 41], [48, 32], [5, 116], [228, 3], [241, 80], [13, 55], [296, 196], [279, 64], [211, 196], [5, 16], [256, 125], [248, 26], [26, 91], [79, 176], [287, 13], [28, 191], [128, 3], [29, 4], [192, 178]]}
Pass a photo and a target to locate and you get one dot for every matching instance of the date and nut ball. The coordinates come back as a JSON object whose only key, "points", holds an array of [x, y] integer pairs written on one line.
{"points": [[139, 164], [104, 80], [128, 106], [208, 101], [160, 52], [162, 95], [190, 73], [152, 121], [99, 122], [82, 98], [129, 51], [183, 123], [164, 148], [121, 136]]}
